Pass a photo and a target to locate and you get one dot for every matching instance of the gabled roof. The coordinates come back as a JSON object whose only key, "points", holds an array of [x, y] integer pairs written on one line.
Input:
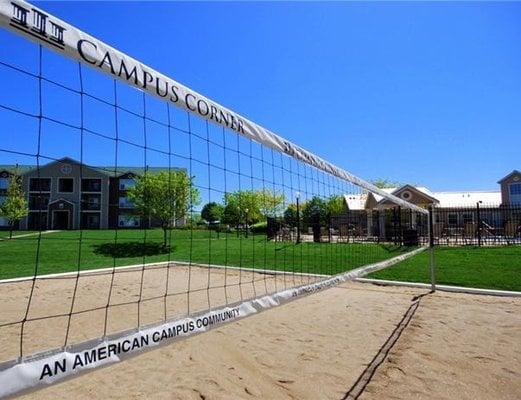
{"points": [[419, 189], [468, 199], [355, 201], [514, 172], [63, 160], [106, 170], [441, 199]]}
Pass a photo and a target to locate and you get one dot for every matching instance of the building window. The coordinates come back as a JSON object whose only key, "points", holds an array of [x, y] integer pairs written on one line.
{"points": [[453, 219], [2, 199], [38, 201], [126, 183], [66, 185], [515, 188], [491, 218], [468, 218], [129, 221], [40, 185], [90, 220], [91, 202], [125, 202], [515, 193], [91, 185], [4, 183]]}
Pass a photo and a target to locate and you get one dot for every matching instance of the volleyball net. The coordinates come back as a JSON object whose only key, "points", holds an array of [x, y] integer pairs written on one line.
{"points": [[135, 211]]}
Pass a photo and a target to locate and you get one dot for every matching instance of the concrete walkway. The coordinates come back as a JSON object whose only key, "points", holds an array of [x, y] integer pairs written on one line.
{"points": [[26, 235]]}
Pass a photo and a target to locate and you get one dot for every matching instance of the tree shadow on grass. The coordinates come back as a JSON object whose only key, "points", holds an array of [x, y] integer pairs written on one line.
{"points": [[131, 249]]}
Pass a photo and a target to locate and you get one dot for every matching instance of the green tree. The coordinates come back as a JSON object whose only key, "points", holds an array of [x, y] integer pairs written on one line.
{"points": [[165, 196], [231, 214], [290, 215], [212, 212], [336, 205], [243, 207], [386, 183], [14, 208], [271, 203], [315, 210]]}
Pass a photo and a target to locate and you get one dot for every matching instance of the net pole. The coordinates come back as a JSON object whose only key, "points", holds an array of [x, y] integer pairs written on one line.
{"points": [[431, 250]]}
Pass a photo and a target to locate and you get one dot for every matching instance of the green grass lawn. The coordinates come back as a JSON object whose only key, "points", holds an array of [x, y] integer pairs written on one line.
{"points": [[480, 267], [61, 252]]}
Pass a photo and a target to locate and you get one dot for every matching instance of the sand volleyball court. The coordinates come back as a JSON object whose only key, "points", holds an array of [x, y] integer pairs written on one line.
{"points": [[351, 341]]}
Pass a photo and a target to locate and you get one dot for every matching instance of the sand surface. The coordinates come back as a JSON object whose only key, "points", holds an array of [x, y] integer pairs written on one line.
{"points": [[126, 299], [455, 346]]}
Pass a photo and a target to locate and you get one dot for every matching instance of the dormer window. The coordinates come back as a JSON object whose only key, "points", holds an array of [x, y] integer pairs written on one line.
{"points": [[126, 183]]}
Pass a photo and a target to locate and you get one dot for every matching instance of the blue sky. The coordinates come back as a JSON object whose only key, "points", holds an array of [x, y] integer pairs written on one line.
{"points": [[428, 93]]}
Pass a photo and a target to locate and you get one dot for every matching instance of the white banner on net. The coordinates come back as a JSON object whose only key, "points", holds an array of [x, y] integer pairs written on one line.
{"points": [[57, 365], [31, 22]]}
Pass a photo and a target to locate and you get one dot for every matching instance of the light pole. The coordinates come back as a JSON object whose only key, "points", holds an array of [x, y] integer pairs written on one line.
{"points": [[297, 195], [478, 225]]}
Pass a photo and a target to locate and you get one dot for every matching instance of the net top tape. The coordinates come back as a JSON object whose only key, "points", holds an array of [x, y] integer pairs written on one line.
{"points": [[43, 28]]}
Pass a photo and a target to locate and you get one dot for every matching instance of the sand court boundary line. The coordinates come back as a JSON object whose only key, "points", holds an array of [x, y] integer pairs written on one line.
{"points": [[155, 265], [33, 372], [443, 288]]}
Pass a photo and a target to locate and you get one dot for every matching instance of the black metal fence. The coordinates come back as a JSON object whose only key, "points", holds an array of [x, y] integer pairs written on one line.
{"points": [[480, 225]]}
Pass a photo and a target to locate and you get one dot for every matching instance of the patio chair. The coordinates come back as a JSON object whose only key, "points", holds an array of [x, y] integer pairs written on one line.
{"points": [[343, 233]]}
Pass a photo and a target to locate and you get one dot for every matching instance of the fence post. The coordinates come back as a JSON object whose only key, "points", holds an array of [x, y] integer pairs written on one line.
{"points": [[400, 228], [393, 220], [431, 249], [478, 216]]}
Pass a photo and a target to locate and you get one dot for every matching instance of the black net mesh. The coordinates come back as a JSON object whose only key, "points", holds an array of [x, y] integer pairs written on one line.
{"points": [[137, 212]]}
